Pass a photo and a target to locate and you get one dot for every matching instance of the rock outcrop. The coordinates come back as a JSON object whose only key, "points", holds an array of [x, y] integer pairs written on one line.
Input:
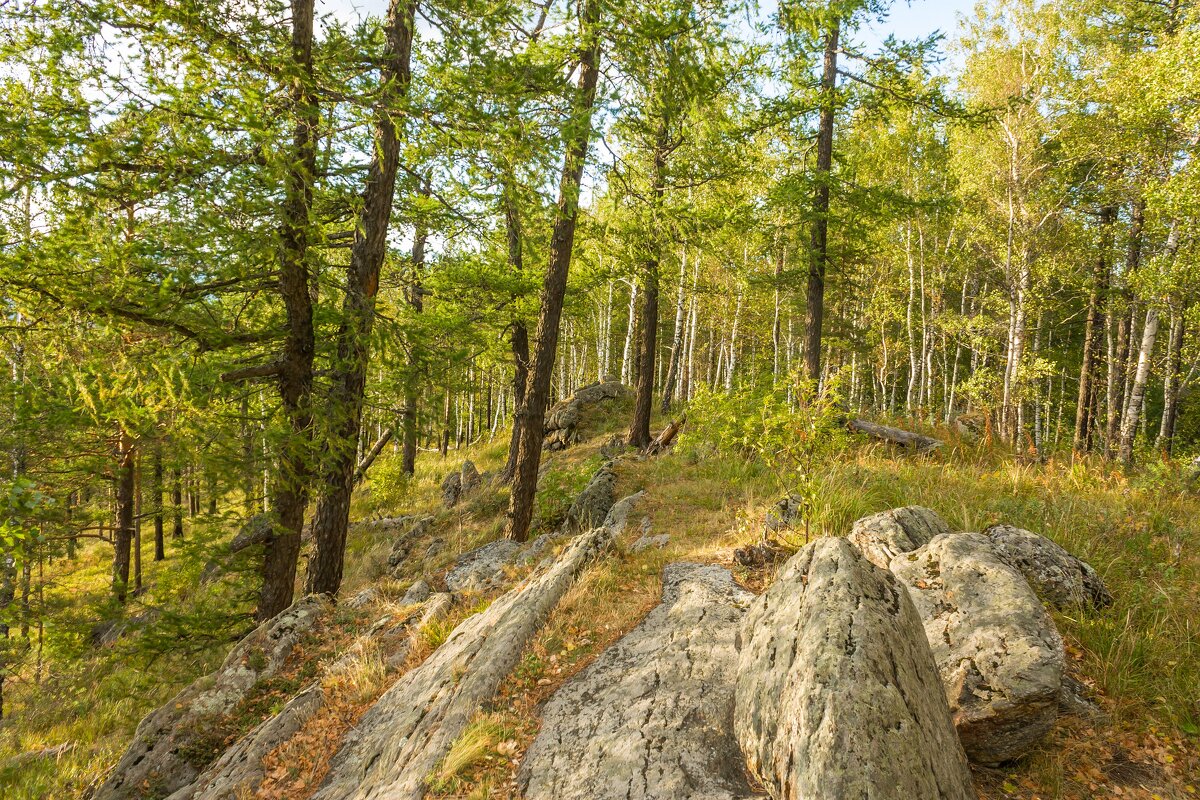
{"points": [[411, 727], [561, 428], [458, 484], [837, 693], [483, 568], [1059, 578], [589, 509], [158, 756], [883, 536], [650, 718], [412, 529], [997, 650]]}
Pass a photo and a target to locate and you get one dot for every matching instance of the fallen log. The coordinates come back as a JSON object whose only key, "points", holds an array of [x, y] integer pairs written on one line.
{"points": [[913, 441], [664, 439]]}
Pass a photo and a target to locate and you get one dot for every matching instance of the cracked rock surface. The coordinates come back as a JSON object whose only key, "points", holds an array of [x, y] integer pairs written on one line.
{"points": [[837, 693], [998, 652], [412, 726], [563, 419], [1061, 579], [157, 756], [483, 568], [883, 536], [589, 509], [650, 718]]}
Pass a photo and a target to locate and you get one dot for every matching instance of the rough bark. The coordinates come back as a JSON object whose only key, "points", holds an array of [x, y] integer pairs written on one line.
{"points": [[639, 428], [562, 240], [837, 692], [651, 717], [400, 740], [814, 312], [123, 533], [346, 394], [907, 439], [156, 496], [290, 493], [519, 337]]}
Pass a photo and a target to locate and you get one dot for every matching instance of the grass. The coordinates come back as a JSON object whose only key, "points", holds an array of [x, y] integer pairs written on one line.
{"points": [[1142, 656]]}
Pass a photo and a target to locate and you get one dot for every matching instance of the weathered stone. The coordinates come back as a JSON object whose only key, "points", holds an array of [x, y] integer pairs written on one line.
{"points": [[414, 529], [837, 692], [760, 556], [469, 477], [784, 515], [592, 505], [417, 593], [646, 541], [451, 489], [562, 421], [364, 598], [883, 536], [435, 548], [997, 650], [1061, 579], [482, 568], [158, 755], [401, 738], [650, 718]]}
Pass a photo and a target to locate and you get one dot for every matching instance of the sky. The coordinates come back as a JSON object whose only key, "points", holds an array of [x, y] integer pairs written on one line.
{"points": [[909, 19]]}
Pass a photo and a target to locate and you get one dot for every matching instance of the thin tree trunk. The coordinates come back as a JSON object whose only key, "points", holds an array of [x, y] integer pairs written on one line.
{"points": [[1091, 333], [415, 294], [1171, 381], [677, 340], [1137, 392], [156, 496], [814, 312], [562, 240], [123, 533], [358, 308]]}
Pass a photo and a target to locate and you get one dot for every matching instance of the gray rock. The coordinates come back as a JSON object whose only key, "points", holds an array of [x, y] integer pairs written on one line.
{"points": [[452, 489], [483, 568], [837, 692], [417, 593], [158, 755], [592, 505], [413, 529], [1061, 579], [562, 421], [645, 542], [412, 726], [650, 718], [469, 477], [435, 548], [364, 598], [784, 515], [883, 536], [997, 650]]}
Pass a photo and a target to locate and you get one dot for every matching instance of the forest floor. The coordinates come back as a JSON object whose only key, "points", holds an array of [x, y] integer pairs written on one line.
{"points": [[1140, 657]]}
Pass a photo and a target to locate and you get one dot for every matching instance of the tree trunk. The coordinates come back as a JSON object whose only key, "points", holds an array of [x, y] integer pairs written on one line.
{"points": [[290, 492], [814, 312], [1137, 392], [562, 240], [123, 534], [519, 338], [1118, 364], [358, 309], [176, 504], [416, 301], [156, 497], [674, 368], [1091, 333], [639, 430], [1171, 382]]}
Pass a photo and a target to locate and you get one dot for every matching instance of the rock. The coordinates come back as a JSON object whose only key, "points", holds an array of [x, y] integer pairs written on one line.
{"points": [[883, 536], [562, 420], [837, 693], [784, 515], [159, 754], [592, 505], [760, 556], [107, 632], [364, 598], [470, 479], [535, 550], [1061, 579], [1075, 700], [417, 593], [451, 489], [482, 568], [650, 718], [646, 541], [435, 549], [614, 447], [415, 528], [997, 650], [404, 735]]}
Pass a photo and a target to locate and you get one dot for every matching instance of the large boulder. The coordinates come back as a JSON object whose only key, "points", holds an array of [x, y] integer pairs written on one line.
{"points": [[164, 753], [1061, 579], [837, 694], [650, 718], [883, 536], [592, 505], [562, 421], [997, 650]]}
